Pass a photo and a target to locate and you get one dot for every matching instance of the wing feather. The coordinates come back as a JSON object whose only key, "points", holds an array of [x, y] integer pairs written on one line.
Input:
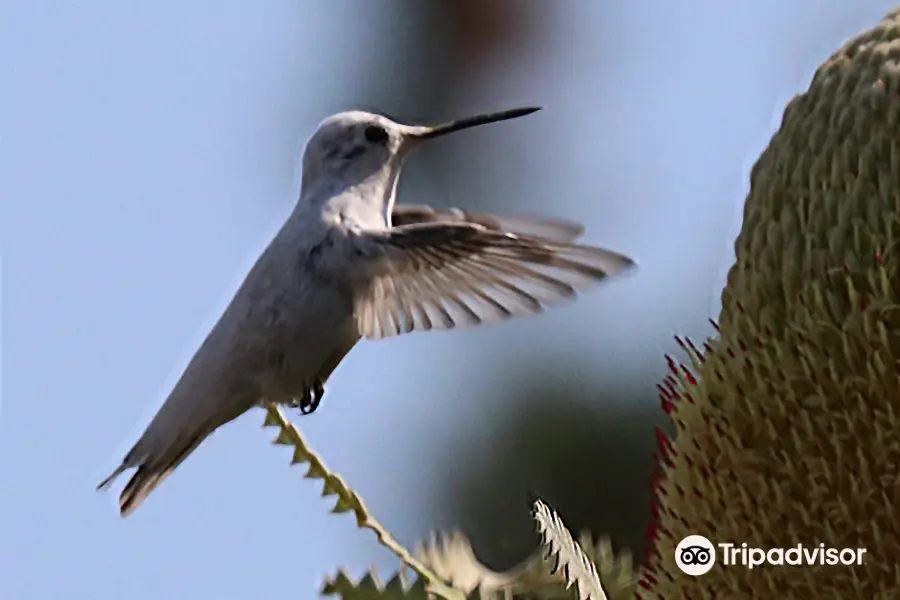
{"points": [[548, 228], [443, 275]]}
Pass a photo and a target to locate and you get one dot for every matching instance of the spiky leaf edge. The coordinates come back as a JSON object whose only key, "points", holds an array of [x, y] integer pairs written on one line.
{"points": [[369, 587], [578, 569], [349, 501]]}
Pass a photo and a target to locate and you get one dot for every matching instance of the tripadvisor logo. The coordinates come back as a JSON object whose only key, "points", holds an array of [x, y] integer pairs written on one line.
{"points": [[696, 555]]}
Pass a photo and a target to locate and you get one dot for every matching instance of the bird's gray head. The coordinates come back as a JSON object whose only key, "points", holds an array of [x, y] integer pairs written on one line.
{"points": [[352, 148]]}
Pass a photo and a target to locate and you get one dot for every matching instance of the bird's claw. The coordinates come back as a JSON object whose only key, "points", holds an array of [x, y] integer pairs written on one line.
{"points": [[309, 403]]}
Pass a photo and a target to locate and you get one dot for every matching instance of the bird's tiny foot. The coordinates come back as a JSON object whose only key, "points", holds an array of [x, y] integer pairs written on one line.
{"points": [[310, 402]]}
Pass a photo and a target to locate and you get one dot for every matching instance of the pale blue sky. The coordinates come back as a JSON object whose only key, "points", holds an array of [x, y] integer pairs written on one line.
{"points": [[149, 151]]}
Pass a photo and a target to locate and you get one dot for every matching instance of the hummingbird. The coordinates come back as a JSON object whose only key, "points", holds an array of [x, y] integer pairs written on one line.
{"points": [[348, 263]]}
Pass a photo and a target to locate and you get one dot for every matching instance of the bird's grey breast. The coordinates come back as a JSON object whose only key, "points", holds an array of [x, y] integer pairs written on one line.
{"points": [[294, 317]]}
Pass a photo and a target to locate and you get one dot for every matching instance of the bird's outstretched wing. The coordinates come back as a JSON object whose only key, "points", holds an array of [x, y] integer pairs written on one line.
{"points": [[550, 229], [445, 275]]}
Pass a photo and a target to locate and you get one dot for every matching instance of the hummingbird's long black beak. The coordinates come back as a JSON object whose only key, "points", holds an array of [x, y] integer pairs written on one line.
{"points": [[424, 133]]}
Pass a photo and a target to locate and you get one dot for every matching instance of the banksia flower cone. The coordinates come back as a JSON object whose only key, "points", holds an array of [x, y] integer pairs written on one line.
{"points": [[789, 432]]}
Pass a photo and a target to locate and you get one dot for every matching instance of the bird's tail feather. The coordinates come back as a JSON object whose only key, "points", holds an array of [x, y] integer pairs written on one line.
{"points": [[105, 483], [152, 472], [163, 447]]}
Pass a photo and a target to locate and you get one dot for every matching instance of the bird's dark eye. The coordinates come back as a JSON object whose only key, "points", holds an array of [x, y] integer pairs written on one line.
{"points": [[376, 134]]}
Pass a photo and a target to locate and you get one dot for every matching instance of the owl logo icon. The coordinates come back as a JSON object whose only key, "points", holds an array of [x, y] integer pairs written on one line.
{"points": [[695, 555]]}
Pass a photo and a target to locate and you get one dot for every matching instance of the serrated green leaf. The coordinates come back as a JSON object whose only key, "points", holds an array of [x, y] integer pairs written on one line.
{"points": [[298, 457], [314, 471], [350, 501], [283, 439], [329, 488], [567, 554], [341, 507], [398, 582], [270, 421], [451, 557], [370, 579], [369, 588]]}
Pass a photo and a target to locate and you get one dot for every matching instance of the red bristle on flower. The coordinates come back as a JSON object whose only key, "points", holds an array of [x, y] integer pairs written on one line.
{"points": [[742, 345], [740, 307], [730, 352], [878, 257], [714, 324], [666, 391], [688, 375], [673, 392], [671, 365], [663, 454], [700, 355], [664, 400], [680, 342], [661, 438]]}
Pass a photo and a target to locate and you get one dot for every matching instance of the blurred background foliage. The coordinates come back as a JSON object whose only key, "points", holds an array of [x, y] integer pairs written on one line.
{"points": [[586, 449]]}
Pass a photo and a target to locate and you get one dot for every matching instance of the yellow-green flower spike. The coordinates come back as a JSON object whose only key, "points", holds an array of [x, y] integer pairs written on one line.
{"points": [[789, 433]]}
